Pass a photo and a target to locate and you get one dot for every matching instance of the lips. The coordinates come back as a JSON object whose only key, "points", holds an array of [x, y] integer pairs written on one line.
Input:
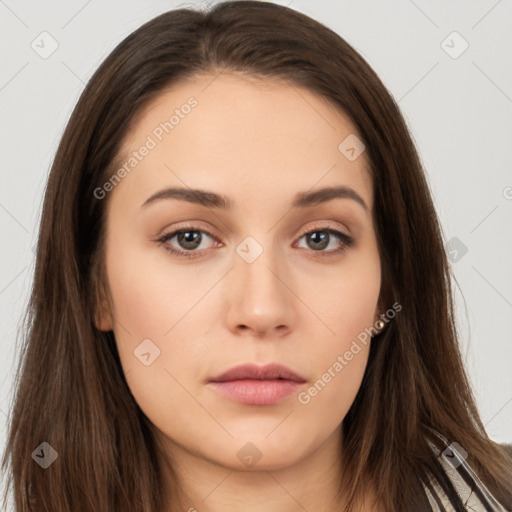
{"points": [[272, 371], [250, 384]]}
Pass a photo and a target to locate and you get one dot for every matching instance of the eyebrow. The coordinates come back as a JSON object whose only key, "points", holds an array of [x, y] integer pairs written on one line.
{"points": [[213, 200]]}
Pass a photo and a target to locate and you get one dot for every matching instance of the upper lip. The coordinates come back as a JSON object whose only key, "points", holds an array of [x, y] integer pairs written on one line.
{"points": [[252, 371]]}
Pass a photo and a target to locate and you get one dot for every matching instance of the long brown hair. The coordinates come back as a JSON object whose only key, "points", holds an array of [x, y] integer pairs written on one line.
{"points": [[70, 389]]}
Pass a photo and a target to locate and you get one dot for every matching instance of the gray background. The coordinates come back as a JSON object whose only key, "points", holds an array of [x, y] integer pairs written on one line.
{"points": [[458, 107]]}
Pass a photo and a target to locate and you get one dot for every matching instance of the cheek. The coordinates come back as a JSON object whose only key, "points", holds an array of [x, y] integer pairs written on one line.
{"points": [[150, 295], [156, 333], [159, 318], [160, 328], [346, 309], [345, 301]]}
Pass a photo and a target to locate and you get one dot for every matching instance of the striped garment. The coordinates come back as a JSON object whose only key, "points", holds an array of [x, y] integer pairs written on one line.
{"points": [[475, 495]]}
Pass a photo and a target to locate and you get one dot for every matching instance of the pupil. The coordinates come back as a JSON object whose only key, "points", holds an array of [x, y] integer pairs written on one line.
{"points": [[322, 240], [189, 239]]}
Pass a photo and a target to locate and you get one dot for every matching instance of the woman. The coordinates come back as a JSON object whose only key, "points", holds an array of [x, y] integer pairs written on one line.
{"points": [[241, 298]]}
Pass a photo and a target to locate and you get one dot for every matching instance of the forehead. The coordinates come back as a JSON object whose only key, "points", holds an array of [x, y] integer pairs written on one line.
{"points": [[233, 132]]}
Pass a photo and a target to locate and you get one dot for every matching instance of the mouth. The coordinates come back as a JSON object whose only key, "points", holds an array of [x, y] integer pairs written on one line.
{"points": [[253, 385]]}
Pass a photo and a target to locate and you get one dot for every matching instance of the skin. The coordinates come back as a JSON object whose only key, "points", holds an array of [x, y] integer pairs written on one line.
{"points": [[258, 142]]}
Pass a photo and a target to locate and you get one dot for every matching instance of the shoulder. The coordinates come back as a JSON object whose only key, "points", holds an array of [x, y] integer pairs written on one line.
{"points": [[464, 481], [508, 449]]}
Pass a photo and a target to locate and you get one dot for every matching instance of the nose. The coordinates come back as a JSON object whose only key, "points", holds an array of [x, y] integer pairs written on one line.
{"points": [[260, 297]]}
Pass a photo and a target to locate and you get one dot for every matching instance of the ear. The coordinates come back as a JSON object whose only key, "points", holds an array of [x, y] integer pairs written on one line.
{"points": [[379, 309], [103, 319]]}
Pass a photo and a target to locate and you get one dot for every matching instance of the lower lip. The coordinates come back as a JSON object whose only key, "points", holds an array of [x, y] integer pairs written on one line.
{"points": [[256, 392]]}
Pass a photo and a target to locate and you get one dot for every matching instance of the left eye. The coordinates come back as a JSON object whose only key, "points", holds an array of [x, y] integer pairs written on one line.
{"points": [[320, 239], [189, 241]]}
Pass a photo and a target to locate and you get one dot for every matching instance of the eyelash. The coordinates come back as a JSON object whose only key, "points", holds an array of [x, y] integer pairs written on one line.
{"points": [[346, 240]]}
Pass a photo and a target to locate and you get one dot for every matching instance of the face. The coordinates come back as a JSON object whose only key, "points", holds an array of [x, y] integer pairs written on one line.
{"points": [[264, 278]]}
